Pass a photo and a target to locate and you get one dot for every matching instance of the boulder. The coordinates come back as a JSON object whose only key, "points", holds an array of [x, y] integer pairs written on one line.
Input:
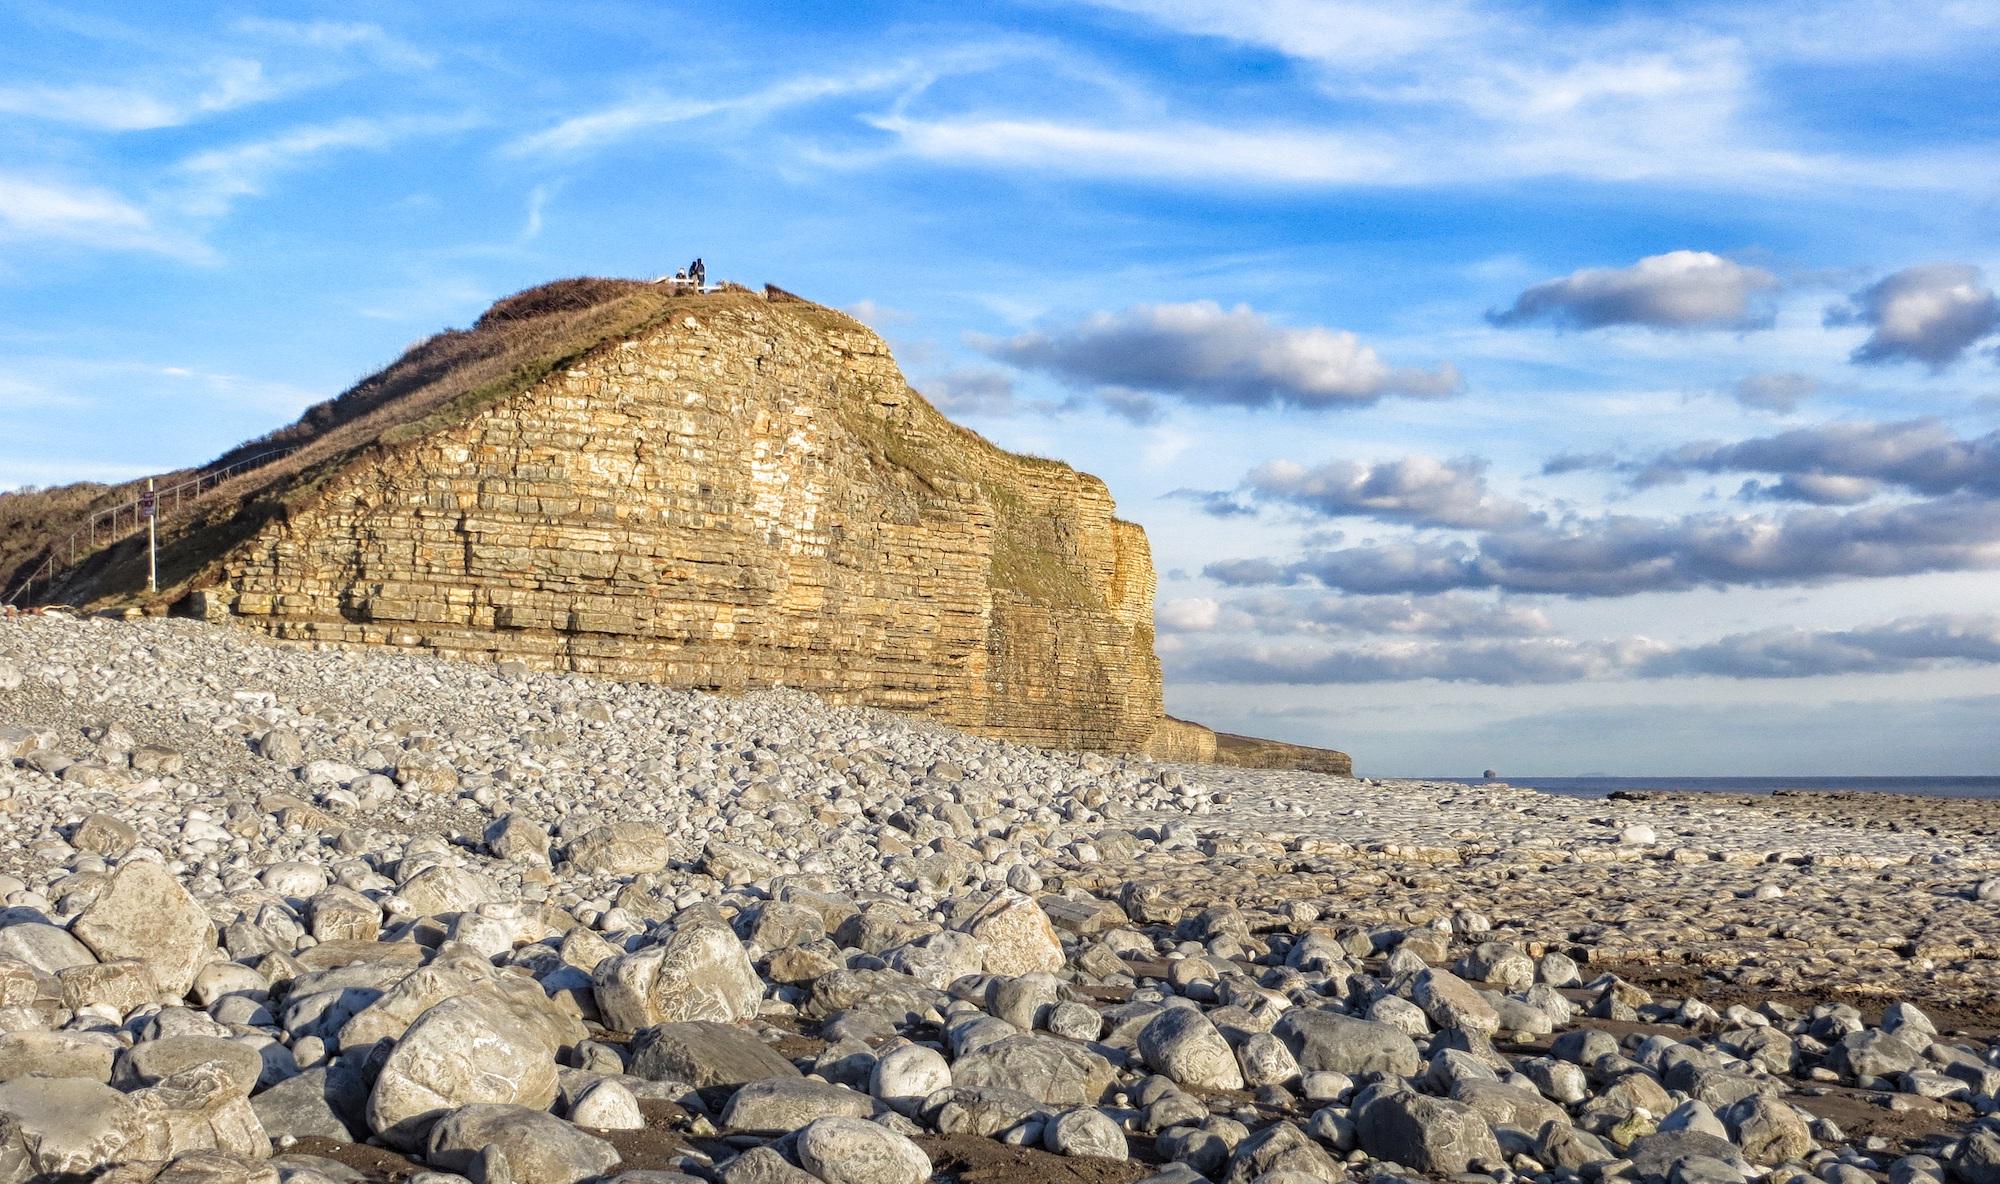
{"points": [[467, 1049], [1042, 1067], [45, 947], [539, 1147], [1181, 1043], [1326, 1041], [621, 849], [784, 1104], [702, 1053], [856, 1151], [1432, 1135], [1016, 934], [68, 1125], [329, 1101], [702, 972], [144, 913]]}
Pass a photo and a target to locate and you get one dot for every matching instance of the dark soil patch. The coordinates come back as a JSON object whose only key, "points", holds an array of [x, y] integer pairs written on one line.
{"points": [[1976, 1018], [971, 1159], [379, 1164], [1862, 1114]]}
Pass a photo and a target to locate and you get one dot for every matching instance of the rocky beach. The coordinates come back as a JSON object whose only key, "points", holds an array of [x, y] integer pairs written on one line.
{"points": [[283, 913]]}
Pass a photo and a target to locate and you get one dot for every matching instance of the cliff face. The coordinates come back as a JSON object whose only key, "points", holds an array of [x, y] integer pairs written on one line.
{"points": [[742, 493]]}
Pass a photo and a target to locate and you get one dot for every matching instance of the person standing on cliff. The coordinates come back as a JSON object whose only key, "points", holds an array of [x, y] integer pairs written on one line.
{"points": [[699, 274]]}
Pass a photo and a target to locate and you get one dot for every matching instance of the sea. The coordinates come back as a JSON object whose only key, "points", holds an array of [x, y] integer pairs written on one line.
{"points": [[1597, 787]]}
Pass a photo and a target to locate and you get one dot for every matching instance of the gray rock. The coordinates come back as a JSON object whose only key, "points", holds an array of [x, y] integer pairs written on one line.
{"points": [[1431, 1135], [1768, 1130], [763, 1165], [621, 849], [102, 834], [785, 1104], [904, 1076], [1280, 1147], [1181, 1043], [1656, 1157], [1326, 1041], [1451, 1002], [45, 947], [607, 1106], [1977, 1160], [330, 1101], [538, 1146], [152, 1061], [66, 1125], [1017, 935], [144, 913], [702, 972], [1049, 1070], [1085, 1133], [704, 1053], [855, 1151], [57, 1054], [467, 1049]]}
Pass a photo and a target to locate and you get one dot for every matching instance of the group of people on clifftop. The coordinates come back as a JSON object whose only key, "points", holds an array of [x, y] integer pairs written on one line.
{"points": [[694, 275]]}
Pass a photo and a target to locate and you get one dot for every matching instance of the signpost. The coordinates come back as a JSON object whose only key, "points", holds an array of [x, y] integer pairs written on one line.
{"points": [[149, 506]]}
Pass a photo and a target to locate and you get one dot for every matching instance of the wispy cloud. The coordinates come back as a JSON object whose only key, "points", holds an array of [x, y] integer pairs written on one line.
{"points": [[45, 212], [224, 86], [622, 120], [213, 180]]}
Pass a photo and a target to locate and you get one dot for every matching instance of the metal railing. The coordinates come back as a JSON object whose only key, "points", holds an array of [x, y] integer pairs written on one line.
{"points": [[120, 522]]}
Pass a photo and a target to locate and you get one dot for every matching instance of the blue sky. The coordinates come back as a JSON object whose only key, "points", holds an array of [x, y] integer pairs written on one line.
{"points": [[1550, 387]]}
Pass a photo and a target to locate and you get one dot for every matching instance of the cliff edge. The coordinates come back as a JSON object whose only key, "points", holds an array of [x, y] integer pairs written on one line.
{"points": [[719, 491]]}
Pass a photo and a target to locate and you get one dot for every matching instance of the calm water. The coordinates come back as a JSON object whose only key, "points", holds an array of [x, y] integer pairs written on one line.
{"points": [[1597, 787]]}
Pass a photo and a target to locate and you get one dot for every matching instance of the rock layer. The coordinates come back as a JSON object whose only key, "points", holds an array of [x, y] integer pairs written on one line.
{"points": [[745, 493]]}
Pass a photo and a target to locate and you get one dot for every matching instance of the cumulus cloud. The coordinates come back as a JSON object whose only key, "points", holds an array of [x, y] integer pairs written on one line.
{"points": [[1677, 290], [1900, 646], [1930, 313], [973, 390], [1203, 353], [1453, 615], [1781, 392], [1814, 489], [1498, 663], [1216, 503], [1414, 489], [1621, 556], [1837, 463], [1911, 643]]}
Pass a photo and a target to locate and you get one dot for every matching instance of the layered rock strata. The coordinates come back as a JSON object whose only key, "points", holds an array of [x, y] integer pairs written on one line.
{"points": [[744, 493]]}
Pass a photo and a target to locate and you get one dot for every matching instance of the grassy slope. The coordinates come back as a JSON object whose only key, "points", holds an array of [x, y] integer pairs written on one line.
{"points": [[440, 380]]}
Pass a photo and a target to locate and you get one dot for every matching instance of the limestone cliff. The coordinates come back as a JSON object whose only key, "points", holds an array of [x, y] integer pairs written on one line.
{"points": [[731, 491]]}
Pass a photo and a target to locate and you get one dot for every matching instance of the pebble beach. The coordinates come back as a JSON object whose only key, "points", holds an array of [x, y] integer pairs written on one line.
{"points": [[282, 914]]}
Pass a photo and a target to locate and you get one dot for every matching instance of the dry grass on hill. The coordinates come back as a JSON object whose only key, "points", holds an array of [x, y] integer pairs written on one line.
{"points": [[518, 341]]}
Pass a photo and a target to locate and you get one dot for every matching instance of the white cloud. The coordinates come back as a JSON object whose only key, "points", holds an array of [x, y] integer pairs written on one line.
{"points": [[622, 120], [1202, 353], [214, 179], [1416, 489], [44, 212], [1677, 290], [1930, 313], [1192, 614]]}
